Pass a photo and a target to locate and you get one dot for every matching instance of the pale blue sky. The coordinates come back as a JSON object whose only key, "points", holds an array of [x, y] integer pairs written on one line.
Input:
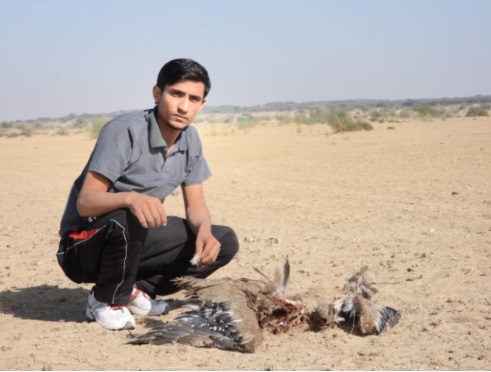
{"points": [[89, 56]]}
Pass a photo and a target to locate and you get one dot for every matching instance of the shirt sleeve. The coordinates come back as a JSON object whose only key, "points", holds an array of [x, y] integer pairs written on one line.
{"points": [[112, 151], [197, 170], [198, 173]]}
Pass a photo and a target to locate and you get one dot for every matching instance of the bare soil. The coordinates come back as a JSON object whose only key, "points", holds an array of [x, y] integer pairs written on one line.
{"points": [[413, 203]]}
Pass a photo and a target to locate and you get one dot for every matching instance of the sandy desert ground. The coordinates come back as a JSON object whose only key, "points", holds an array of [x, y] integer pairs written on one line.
{"points": [[413, 203]]}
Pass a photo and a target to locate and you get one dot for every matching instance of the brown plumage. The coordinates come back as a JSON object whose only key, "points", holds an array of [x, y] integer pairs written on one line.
{"points": [[229, 313], [356, 305], [322, 316]]}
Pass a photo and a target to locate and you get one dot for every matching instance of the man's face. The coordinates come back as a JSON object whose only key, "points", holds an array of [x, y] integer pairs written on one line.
{"points": [[179, 104]]}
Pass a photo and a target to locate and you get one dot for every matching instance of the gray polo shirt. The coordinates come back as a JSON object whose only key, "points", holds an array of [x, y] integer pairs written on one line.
{"points": [[130, 152]]}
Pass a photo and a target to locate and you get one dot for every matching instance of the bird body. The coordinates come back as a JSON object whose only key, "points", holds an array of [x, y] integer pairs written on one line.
{"points": [[229, 313], [356, 304]]}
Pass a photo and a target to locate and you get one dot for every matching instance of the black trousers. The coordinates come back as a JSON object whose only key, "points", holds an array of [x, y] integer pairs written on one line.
{"points": [[115, 252]]}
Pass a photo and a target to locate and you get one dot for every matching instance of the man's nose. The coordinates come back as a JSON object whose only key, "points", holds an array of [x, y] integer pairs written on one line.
{"points": [[184, 104]]}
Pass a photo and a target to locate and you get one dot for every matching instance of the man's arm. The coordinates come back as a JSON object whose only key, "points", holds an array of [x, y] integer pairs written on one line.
{"points": [[94, 200], [199, 220]]}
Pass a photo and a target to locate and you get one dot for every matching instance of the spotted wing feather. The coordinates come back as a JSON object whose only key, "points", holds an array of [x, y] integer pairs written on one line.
{"points": [[210, 325]]}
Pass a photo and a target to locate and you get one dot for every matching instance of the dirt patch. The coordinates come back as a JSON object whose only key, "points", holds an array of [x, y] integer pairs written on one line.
{"points": [[413, 203]]}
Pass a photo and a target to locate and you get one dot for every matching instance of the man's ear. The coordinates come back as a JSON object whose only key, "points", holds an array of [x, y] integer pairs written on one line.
{"points": [[157, 92]]}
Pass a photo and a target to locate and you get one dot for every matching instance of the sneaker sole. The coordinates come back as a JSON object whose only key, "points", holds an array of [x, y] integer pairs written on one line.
{"points": [[108, 326]]}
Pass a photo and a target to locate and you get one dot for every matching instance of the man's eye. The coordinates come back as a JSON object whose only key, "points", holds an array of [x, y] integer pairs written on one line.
{"points": [[175, 93]]}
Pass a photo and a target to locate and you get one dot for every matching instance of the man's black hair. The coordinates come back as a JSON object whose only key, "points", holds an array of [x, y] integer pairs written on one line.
{"points": [[183, 69]]}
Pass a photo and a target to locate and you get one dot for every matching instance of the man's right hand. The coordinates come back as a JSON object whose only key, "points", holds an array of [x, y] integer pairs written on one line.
{"points": [[148, 209], [94, 200]]}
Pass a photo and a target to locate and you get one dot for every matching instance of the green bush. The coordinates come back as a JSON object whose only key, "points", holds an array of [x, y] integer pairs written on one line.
{"points": [[283, 119], [26, 130], [426, 112], [96, 127], [377, 116], [361, 125], [320, 114], [62, 131], [337, 117], [477, 111], [80, 123], [248, 120], [302, 118], [341, 121]]}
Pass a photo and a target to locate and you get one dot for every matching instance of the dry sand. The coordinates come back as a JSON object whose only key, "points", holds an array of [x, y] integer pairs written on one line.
{"points": [[413, 203]]}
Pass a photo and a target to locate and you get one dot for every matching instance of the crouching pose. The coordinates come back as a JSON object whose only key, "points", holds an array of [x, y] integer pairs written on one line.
{"points": [[115, 231]]}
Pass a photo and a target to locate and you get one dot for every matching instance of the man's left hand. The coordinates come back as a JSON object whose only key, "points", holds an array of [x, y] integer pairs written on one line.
{"points": [[208, 247]]}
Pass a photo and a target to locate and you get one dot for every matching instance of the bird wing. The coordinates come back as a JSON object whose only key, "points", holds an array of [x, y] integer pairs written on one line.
{"points": [[208, 325], [373, 318], [356, 304], [220, 316]]}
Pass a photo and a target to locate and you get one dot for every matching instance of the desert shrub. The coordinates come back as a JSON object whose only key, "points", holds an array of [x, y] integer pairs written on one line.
{"points": [[283, 119], [80, 123], [96, 127], [319, 114], [339, 118], [362, 125], [67, 118], [302, 118], [262, 118], [62, 131], [341, 121], [404, 113], [378, 116], [248, 120], [477, 111], [426, 112], [245, 116], [316, 114], [26, 130]]}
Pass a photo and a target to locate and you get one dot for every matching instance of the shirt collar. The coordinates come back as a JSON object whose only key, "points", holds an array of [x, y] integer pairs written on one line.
{"points": [[155, 137]]}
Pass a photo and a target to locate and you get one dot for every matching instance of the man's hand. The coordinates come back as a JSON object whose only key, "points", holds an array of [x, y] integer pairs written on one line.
{"points": [[207, 247], [149, 210], [199, 220], [94, 200]]}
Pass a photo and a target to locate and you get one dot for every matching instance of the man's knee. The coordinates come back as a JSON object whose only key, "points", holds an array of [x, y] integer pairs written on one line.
{"points": [[124, 218], [229, 244]]}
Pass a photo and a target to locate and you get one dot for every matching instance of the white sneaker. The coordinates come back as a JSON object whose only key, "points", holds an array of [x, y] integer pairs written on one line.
{"points": [[110, 317], [142, 304]]}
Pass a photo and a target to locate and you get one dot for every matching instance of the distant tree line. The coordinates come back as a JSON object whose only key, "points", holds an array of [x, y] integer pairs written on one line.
{"points": [[345, 115], [349, 104]]}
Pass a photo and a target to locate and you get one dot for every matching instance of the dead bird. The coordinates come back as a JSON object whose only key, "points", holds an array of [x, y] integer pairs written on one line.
{"points": [[230, 313], [356, 305]]}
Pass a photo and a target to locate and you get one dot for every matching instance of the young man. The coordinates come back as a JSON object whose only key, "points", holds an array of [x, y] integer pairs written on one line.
{"points": [[115, 231]]}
